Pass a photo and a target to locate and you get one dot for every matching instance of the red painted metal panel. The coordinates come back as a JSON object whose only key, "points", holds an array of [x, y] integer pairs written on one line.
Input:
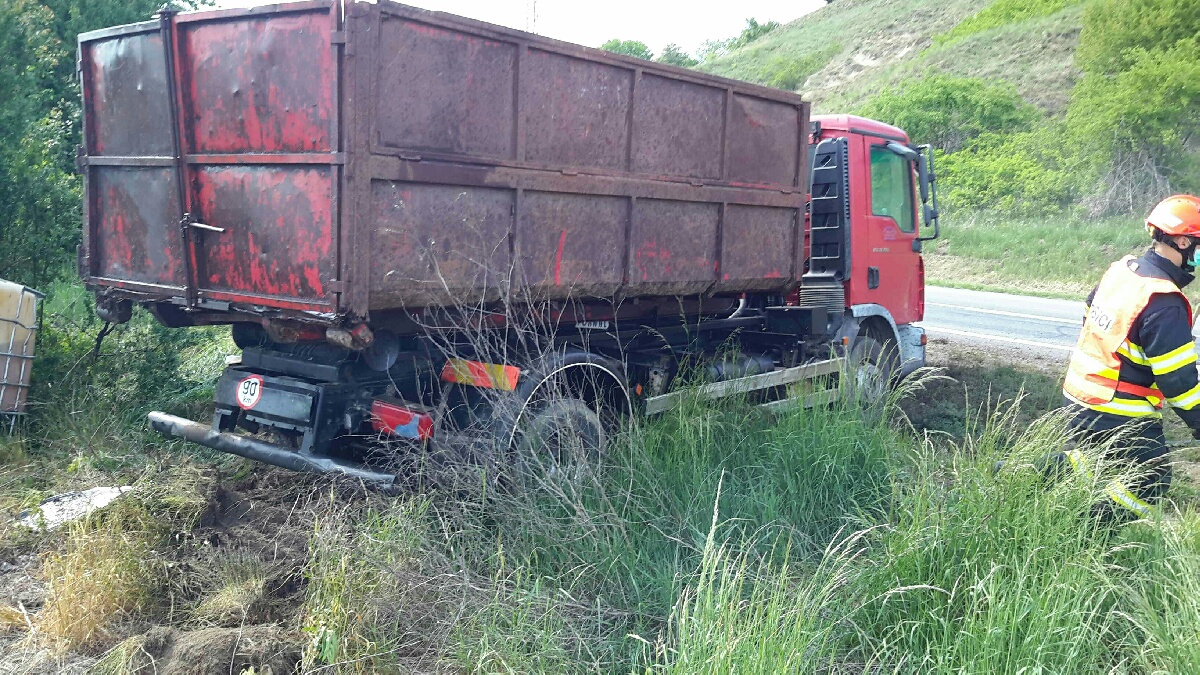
{"points": [[757, 245], [571, 245], [264, 84], [134, 211], [674, 246], [763, 137], [435, 244], [677, 128], [278, 230], [126, 96], [580, 119]]}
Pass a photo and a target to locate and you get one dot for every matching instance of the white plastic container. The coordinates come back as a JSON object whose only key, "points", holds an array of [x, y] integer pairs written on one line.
{"points": [[18, 328]]}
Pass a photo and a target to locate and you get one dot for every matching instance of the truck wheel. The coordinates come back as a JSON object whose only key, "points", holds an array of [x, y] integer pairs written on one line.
{"points": [[560, 439], [873, 367]]}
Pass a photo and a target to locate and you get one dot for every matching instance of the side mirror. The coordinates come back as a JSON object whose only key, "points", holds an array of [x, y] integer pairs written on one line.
{"points": [[928, 183], [923, 178], [903, 150]]}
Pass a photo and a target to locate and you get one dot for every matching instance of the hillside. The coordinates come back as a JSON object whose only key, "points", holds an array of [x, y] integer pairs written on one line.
{"points": [[851, 49]]}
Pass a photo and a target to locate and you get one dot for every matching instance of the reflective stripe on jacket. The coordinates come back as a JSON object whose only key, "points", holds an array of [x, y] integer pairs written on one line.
{"points": [[1094, 375]]}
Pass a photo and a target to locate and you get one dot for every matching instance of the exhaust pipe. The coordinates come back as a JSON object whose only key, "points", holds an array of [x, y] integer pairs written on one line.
{"points": [[242, 446]]}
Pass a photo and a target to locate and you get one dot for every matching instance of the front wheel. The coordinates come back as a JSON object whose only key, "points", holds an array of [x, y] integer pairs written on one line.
{"points": [[873, 368]]}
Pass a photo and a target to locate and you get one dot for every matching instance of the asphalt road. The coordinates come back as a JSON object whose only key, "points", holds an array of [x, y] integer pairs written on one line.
{"points": [[1014, 321]]}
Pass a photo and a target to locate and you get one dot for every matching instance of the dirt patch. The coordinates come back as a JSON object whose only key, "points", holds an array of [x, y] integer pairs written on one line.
{"points": [[975, 381]]}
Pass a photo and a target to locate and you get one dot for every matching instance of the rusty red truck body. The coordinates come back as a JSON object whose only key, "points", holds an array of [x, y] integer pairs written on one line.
{"points": [[359, 187]]}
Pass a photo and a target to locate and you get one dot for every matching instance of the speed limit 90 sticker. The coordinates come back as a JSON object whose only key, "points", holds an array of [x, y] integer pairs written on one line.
{"points": [[249, 391]]}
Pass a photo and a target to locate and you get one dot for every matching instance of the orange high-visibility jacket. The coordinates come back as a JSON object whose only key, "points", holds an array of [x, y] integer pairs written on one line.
{"points": [[1093, 376]]}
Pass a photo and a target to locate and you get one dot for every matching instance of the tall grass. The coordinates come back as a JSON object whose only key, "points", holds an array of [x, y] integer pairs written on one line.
{"points": [[627, 537], [827, 542], [1058, 255]]}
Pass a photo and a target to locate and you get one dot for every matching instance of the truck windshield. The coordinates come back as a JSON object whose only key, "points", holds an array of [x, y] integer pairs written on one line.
{"points": [[891, 187]]}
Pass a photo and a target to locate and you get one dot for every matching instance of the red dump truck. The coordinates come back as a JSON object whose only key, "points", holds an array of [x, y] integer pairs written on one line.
{"points": [[419, 226]]}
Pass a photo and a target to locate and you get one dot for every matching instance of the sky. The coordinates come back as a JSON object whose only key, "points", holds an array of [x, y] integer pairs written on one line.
{"points": [[654, 22]]}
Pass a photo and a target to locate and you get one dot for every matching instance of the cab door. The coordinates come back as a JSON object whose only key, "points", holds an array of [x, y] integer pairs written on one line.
{"points": [[891, 273]]}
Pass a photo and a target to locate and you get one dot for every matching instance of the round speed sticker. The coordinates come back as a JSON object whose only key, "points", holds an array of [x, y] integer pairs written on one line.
{"points": [[249, 391]]}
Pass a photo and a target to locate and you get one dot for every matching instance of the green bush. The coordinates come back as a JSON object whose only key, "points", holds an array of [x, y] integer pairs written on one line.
{"points": [[947, 111], [1133, 113], [1113, 31], [634, 48], [1019, 173], [1002, 13], [673, 55], [1135, 124]]}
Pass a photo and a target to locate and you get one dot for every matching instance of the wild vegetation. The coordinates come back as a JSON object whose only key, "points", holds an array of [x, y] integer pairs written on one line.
{"points": [[712, 539]]}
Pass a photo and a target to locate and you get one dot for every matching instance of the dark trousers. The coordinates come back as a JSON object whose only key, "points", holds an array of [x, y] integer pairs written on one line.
{"points": [[1142, 444]]}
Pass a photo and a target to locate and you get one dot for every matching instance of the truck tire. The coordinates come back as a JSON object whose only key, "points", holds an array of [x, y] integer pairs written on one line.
{"points": [[560, 439], [874, 368]]}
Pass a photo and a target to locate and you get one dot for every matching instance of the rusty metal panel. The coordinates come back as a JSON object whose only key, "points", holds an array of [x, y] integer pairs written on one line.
{"points": [[444, 90], [571, 245], [446, 145], [757, 245], [127, 96], [435, 244], [135, 209], [677, 128], [278, 232], [674, 247], [579, 116], [763, 137], [263, 84]]}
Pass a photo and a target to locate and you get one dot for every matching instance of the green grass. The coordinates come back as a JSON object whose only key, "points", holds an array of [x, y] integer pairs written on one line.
{"points": [[851, 25], [1060, 256], [1004, 13]]}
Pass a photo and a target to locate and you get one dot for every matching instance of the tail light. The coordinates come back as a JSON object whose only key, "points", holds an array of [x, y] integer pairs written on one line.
{"points": [[400, 420]]}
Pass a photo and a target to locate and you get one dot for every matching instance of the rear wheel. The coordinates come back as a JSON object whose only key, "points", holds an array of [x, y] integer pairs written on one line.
{"points": [[560, 438]]}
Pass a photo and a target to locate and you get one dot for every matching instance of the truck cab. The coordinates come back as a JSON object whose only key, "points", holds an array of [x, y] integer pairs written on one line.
{"points": [[874, 204]]}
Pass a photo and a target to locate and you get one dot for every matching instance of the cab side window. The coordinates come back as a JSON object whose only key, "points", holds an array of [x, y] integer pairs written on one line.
{"points": [[891, 188]]}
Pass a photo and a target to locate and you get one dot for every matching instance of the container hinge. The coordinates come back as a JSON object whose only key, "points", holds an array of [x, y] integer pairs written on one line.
{"points": [[336, 286], [81, 158], [337, 37]]}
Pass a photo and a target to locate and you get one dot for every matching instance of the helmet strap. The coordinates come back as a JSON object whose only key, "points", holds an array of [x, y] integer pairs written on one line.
{"points": [[1187, 252]]}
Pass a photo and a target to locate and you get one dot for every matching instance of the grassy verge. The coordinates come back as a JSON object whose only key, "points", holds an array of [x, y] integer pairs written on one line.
{"points": [[1059, 256], [710, 539]]}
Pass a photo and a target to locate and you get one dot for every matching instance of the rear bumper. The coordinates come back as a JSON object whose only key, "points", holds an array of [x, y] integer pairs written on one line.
{"points": [[260, 451]]}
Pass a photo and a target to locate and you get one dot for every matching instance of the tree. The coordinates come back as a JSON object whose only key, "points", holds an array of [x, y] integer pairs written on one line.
{"points": [[634, 48], [673, 55], [711, 49], [1134, 111], [753, 31], [40, 128]]}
